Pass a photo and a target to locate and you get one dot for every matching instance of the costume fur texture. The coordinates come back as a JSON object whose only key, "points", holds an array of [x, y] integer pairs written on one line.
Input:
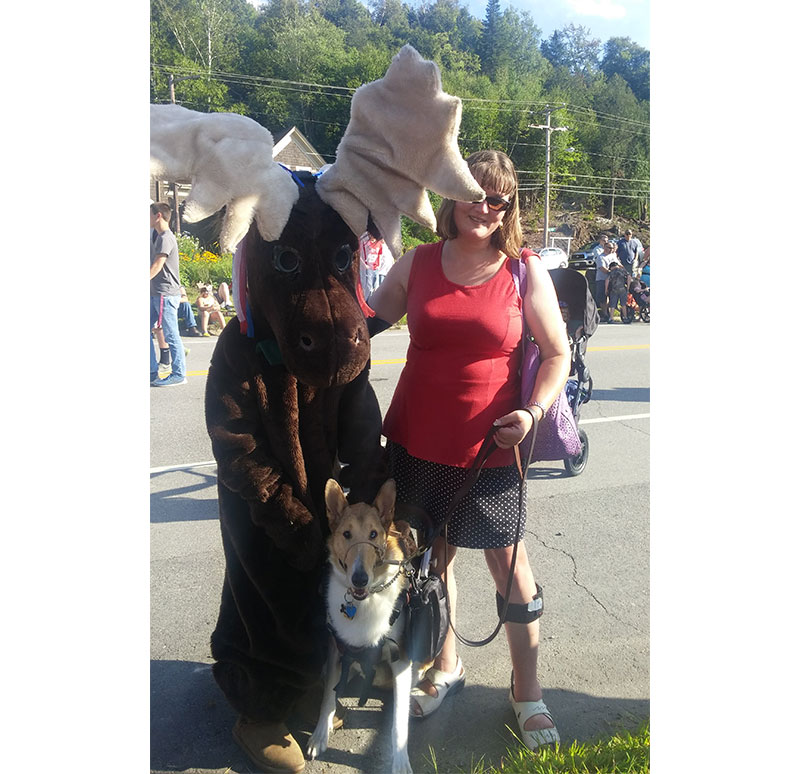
{"points": [[228, 160], [289, 405], [401, 139], [283, 409]]}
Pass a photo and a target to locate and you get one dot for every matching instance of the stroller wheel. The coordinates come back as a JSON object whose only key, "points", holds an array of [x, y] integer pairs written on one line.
{"points": [[575, 465]]}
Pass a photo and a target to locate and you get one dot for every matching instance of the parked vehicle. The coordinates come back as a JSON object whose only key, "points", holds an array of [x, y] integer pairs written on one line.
{"points": [[585, 257], [553, 257]]}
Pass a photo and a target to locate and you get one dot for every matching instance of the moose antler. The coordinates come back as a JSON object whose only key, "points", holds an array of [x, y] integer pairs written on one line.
{"points": [[228, 160], [402, 138]]}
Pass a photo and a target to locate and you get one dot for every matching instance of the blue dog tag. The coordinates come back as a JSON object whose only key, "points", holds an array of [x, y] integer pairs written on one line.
{"points": [[349, 611]]}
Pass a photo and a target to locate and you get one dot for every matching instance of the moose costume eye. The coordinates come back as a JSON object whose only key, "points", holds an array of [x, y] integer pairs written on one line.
{"points": [[346, 534], [343, 258], [285, 259], [373, 534]]}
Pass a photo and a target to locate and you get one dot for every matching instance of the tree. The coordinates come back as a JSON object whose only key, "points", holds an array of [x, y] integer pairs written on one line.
{"points": [[631, 62], [571, 47]]}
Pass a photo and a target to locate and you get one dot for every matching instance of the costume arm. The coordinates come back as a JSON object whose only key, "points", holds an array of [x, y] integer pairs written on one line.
{"points": [[247, 467], [359, 440]]}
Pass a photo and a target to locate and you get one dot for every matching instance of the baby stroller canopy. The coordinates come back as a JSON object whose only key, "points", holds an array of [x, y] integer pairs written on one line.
{"points": [[573, 289]]}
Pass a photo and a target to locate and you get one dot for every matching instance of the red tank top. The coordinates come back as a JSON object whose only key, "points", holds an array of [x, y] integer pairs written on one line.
{"points": [[462, 367]]}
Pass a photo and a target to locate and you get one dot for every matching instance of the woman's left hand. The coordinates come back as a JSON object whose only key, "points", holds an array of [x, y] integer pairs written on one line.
{"points": [[512, 428]]}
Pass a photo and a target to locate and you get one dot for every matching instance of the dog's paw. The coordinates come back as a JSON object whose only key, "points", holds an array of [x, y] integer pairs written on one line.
{"points": [[401, 764], [318, 742]]}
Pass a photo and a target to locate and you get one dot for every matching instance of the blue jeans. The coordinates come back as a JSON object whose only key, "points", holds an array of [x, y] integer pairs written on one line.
{"points": [[185, 311], [165, 309]]}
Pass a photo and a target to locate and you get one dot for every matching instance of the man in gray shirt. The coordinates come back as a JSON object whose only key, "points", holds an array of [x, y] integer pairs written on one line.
{"points": [[628, 251], [165, 294]]}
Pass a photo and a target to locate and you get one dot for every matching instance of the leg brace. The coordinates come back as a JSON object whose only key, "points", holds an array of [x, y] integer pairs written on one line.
{"points": [[519, 613]]}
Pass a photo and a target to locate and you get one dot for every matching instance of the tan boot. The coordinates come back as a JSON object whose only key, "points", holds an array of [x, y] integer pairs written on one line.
{"points": [[270, 746]]}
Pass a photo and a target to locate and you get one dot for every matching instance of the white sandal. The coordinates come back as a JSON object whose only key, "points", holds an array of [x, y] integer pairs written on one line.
{"points": [[524, 710], [445, 683]]}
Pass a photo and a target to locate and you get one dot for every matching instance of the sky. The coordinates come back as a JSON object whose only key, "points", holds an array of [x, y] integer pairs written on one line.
{"points": [[605, 18]]}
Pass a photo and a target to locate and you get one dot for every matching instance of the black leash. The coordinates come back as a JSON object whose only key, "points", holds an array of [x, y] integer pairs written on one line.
{"points": [[487, 447]]}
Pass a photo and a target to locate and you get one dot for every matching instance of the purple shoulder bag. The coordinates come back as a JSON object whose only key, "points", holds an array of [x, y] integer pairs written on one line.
{"points": [[557, 437]]}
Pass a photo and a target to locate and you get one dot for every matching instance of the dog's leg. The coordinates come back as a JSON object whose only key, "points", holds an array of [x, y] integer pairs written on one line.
{"points": [[318, 742], [402, 692]]}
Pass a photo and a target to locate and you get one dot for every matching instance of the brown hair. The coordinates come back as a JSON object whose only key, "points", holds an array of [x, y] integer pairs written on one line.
{"points": [[492, 169], [163, 208]]}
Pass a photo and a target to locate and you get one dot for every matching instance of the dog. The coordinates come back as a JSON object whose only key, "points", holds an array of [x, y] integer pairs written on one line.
{"points": [[366, 604]]}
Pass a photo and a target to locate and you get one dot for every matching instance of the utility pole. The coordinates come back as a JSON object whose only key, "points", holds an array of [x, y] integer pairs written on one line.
{"points": [[172, 81], [548, 129]]}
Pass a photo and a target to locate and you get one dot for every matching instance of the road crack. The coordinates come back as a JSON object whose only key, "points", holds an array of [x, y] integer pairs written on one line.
{"points": [[580, 585]]}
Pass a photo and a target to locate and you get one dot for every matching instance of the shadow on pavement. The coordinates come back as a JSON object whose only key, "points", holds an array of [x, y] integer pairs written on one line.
{"points": [[176, 504], [627, 394], [191, 722]]}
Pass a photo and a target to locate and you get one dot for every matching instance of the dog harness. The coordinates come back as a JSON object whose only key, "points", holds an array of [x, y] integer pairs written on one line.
{"points": [[367, 656]]}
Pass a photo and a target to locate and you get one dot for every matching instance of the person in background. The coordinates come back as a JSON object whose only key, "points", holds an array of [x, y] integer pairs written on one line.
{"points": [[617, 290], [644, 267], [165, 295], [208, 310], [601, 262], [629, 249], [461, 378], [223, 296], [186, 313]]}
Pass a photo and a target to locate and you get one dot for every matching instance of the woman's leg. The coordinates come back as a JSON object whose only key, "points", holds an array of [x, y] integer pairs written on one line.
{"points": [[218, 316], [224, 294], [203, 314], [523, 639]]}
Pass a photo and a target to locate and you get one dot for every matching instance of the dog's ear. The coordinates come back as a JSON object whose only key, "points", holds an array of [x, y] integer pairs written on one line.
{"points": [[384, 502], [335, 502]]}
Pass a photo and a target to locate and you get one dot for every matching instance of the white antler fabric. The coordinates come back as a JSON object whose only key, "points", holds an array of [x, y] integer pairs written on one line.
{"points": [[228, 160], [402, 138]]}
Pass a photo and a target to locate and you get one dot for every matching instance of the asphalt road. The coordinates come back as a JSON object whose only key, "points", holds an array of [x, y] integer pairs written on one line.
{"points": [[588, 538]]}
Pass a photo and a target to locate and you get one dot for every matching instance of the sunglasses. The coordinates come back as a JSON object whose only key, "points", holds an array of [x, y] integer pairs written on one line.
{"points": [[495, 203]]}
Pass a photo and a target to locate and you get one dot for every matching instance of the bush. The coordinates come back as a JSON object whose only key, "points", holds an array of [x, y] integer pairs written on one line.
{"points": [[199, 265]]}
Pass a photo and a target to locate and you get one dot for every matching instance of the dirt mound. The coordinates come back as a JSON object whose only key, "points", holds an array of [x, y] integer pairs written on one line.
{"points": [[582, 229]]}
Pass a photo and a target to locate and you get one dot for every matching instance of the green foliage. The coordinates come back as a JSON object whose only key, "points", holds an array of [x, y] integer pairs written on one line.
{"points": [[199, 265], [622, 753], [273, 63]]}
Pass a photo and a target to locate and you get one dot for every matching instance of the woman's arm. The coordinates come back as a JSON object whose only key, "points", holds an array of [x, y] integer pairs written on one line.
{"points": [[540, 307], [388, 300]]}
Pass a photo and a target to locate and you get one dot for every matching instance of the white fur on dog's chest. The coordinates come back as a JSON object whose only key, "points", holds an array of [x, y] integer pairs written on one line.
{"points": [[371, 620]]}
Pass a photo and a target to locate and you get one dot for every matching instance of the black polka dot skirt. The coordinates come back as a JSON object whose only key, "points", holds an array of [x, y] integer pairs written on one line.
{"points": [[486, 518]]}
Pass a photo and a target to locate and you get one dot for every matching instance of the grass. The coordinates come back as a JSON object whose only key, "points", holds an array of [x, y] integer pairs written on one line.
{"points": [[623, 753]]}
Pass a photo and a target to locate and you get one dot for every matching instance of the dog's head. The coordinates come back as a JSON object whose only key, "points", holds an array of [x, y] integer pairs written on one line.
{"points": [[362, 537]]}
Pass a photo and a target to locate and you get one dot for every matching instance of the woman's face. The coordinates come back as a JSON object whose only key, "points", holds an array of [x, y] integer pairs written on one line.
{"points": [[477, 220]]}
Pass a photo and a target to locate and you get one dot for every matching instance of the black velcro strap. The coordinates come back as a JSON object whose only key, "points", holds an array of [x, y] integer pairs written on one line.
{"points": [[519, 613]]}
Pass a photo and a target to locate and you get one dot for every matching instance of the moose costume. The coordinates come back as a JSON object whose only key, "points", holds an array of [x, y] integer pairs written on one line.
{"points": [[288, 398]]}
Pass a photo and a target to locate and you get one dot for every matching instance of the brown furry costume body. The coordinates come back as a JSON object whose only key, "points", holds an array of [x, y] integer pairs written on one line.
{"points": [[281, 409]]}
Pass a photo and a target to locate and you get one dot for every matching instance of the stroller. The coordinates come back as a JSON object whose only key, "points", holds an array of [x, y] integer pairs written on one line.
{"points": [[574, 295], [639, 294]]}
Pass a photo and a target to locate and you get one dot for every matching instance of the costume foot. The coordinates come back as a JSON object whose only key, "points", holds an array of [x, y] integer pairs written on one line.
{"points": [[444, 684], [270, 746]]}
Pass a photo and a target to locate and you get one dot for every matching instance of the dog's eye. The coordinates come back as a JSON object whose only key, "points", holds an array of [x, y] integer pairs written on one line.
{"points": [[373, 534], [346, 534]]}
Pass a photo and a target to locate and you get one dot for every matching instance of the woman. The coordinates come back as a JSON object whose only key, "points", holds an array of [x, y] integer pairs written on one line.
{"points": [[462, 376], [208, 310]]}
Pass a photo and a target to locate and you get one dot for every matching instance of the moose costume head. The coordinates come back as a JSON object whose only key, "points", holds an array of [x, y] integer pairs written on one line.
{"points": [[288, 398]]}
